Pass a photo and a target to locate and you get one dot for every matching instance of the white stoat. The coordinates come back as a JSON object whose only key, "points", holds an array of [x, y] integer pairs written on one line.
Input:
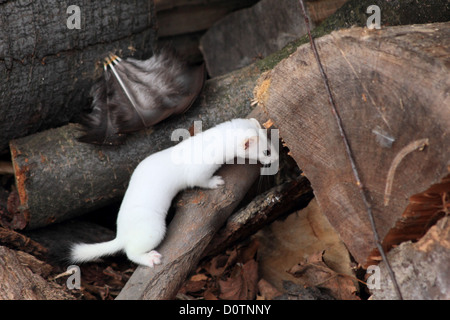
{"points": [[158, 178]]}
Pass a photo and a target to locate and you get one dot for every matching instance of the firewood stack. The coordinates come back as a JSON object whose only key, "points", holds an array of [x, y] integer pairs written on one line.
{"points": [[303, 233]]}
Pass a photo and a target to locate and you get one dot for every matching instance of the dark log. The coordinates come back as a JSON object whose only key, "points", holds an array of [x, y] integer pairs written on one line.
{"points": [[251, 34], [390, 88], [183, 19], [163, 5], [48, 69], [262, 210], [246, 36], [27, 281], [57, 239]]}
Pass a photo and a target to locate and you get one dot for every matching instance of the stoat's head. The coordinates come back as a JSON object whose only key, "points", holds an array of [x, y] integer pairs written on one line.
{"points": [[255, 145]]}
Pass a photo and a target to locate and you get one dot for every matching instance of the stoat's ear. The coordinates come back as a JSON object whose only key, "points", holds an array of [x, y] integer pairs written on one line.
{"points": [[250, 141], [258, 125]]}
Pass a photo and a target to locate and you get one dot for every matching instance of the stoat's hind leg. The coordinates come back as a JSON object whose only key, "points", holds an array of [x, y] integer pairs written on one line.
{"points": [[140, 246], [212, 183], [149, 259]]}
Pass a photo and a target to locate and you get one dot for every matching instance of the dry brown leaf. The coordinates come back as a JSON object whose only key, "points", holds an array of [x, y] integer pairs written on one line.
{"points": [[199, 277], [248, 252], [233, 287], [305, 236], [242, 283], [193, 286], [267, 291], [218, 264], [314, 272], [210, 295]]}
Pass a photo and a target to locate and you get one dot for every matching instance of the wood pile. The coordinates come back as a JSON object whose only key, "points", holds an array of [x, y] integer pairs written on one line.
{"points": [[302, 234]]}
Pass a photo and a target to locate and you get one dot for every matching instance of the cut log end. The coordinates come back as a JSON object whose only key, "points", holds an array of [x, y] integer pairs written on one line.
{"points": [[395, 121]]}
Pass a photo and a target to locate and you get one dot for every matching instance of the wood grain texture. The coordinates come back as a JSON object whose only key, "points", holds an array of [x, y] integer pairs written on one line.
{"points": [[393, 81], [19, 280]]}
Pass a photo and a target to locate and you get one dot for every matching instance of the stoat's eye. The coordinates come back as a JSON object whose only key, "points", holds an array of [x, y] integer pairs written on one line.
{"points": [[266, 153]]}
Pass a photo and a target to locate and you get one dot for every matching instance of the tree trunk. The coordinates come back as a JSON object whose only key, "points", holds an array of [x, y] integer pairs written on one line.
{"points": [[390, 88], [47, 69], [26, 282]]}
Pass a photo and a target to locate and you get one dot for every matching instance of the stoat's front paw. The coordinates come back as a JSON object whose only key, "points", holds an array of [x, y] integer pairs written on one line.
{"points": [[153, 258], [215, 182]]}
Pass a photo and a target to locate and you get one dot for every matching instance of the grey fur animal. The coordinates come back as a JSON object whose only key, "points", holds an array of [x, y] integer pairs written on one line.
{"points": [[136, 94]]}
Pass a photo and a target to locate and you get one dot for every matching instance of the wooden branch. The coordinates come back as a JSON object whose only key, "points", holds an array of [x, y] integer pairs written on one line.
{"points": [[384, 106], [18, 241], [26, 282], [262, 210], [48, 69]]}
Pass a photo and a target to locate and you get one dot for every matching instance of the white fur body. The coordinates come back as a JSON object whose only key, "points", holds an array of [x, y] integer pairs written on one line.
{"points": [[157, 179]]}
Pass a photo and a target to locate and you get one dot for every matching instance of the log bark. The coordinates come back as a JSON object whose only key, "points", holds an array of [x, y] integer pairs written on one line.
{"points": [[21, 278], [390, 89], [421, 268], [229, 36], [48, 69], [250, 34], [18, 241], [262, 210], [195, 16]]}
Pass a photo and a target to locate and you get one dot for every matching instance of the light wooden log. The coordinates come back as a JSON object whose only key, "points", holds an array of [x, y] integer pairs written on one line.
{"points": [[390, 87]]}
